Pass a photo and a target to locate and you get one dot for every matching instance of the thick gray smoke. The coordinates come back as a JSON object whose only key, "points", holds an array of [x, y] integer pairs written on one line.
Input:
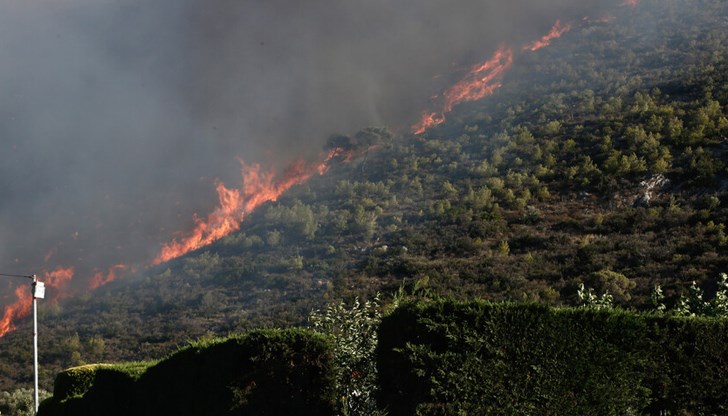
{"points": [[116, 116]]}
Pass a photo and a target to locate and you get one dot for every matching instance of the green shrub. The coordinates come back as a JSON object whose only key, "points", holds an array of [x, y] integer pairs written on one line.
{"points": [[20, 402], [690, 363], [74, 382], [267, 372], [478, 358], [434, 357], [90, 389], [354, 331]]}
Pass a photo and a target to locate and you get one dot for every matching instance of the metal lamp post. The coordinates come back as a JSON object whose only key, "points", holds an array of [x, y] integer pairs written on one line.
{"points": [[38, 292]]}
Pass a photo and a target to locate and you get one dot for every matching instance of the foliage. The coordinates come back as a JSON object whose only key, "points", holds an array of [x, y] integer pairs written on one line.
{"points": [[658, 299], [20, 402], [434, 357], [589, 299], [450, 358], [77, 381], [266, 372], [354, 330], [693, 304]]}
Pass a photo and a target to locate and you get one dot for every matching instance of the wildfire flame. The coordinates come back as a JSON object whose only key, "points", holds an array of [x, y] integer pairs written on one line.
{"points": [[21, 307], [427, 121], [100, 279], [234, 204], [482, 80], [556, 31], [344, 155]]}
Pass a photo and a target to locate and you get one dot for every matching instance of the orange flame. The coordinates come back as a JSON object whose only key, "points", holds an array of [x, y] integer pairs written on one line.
{"points": [[223, 220], [556, 31], [100, 279], [343, 155], [484, 79], [57, 279], [481, 81], [427, 121], [16, 310], [258, 187], [630, 2], [21, 308]]}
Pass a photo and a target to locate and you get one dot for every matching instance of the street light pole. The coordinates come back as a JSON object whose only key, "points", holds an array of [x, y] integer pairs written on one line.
{"points": [[38, 292]]}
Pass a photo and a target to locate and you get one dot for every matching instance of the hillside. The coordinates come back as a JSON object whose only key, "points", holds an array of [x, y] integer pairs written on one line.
{"points": [[601, 159]]}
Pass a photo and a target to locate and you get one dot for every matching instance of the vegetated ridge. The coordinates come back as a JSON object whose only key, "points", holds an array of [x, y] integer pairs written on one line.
{"points": [[600, 160]]}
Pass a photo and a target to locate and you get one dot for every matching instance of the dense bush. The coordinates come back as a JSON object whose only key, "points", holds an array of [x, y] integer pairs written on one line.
{"points": [[20, 402], [90, 389], [480, 358], [689, 366], [78, 381], [268, 372], [354, 331], [263, 373]]}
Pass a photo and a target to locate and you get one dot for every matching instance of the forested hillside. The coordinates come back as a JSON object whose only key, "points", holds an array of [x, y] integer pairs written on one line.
{"points": [[601, 160]]}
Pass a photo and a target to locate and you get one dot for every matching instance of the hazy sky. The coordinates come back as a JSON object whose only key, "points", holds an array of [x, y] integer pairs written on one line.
{"points": [[117, 116]]}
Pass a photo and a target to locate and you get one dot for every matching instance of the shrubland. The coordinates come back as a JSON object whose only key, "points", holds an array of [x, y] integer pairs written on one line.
{"points": [[600, 161]]}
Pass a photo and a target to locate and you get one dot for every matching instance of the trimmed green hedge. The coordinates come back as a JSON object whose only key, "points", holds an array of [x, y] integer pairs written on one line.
{"points": [[76, 391], [434, 358], [478, 358], [267, 372], [690, 366]]}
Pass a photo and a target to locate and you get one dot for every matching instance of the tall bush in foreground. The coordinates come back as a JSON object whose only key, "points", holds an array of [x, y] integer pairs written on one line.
{"points": [[694, 305], [354, 330]]}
